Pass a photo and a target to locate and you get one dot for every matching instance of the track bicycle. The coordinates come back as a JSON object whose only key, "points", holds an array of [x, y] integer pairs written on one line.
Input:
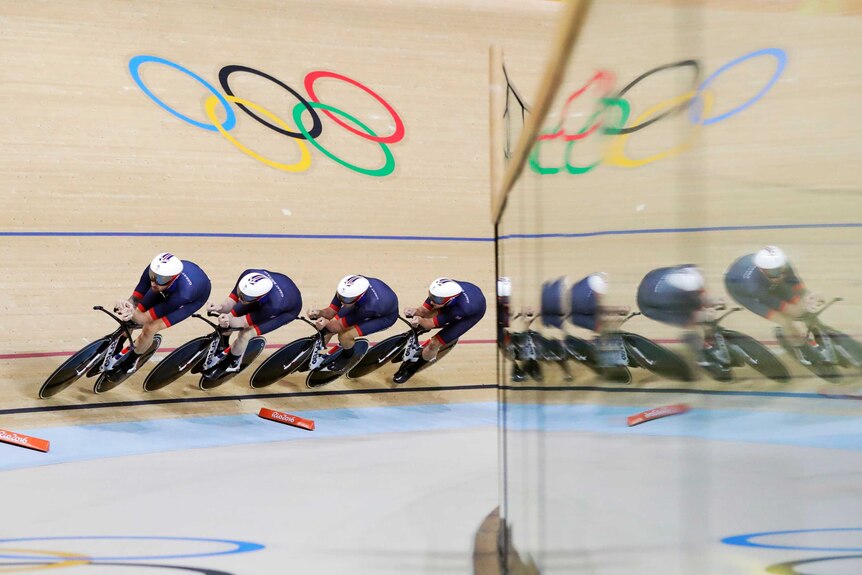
{"points": [[307, 354], [98, 358], [722, 349], [412, 350], [612, 354], [199, 355], [826, 349]]}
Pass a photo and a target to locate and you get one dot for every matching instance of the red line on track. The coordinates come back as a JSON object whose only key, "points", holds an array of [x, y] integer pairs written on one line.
{"points": [[38, 354]]}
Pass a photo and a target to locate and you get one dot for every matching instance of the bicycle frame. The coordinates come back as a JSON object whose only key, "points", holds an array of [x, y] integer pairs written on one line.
{"points": [[125, 327], [817, 331]]}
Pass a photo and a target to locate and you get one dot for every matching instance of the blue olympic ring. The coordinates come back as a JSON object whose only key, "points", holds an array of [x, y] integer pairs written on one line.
{"points": [[239, 547], [745, 540], [135, 64], [779, 55]]}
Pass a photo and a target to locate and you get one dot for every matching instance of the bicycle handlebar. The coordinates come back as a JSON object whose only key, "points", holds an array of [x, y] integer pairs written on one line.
{"points": [[215, 326], [826, 305], [126, 326]]}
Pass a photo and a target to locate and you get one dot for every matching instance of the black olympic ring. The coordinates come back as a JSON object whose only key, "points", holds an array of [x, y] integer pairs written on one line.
{"points": [[201, 570], [789, 568], [675, 110], [316, 126]]}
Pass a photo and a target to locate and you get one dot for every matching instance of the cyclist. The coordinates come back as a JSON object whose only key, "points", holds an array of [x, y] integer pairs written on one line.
{"points": [[454, 306], [766, 283], [260, 302], [169, 291], [361, 306], [589, 311], [676, 296]]}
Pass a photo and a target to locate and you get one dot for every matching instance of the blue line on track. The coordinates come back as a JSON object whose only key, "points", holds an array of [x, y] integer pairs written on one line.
{"points": [[247, 236], [433, 238], [681, 230]]}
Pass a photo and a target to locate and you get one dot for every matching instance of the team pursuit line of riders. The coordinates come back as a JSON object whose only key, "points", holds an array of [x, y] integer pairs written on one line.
{"points": [[763, 282], [171, 290]]}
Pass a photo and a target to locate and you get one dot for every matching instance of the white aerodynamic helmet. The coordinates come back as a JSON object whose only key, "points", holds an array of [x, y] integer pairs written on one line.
{"points": [[443, 290], [165, 268], [504, 287], [351, 288], [253, 286], [598, 282], [687, 278], [770, 258]]}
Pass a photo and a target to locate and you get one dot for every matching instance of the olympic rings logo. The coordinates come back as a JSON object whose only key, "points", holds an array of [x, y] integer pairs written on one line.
{"points": [[699, 101], [301, 136], [26, 559]]}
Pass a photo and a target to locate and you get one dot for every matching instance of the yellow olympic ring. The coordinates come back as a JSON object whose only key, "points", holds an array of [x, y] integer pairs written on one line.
{"points": [[616, 155], [305, 159], [73, 560]]}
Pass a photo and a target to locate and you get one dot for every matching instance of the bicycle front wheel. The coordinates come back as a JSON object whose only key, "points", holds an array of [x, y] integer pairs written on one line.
{"points": [[73, 368]]}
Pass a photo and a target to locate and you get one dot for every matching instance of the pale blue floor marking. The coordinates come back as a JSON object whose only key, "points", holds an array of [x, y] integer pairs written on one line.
{"points": [[159, 435]]}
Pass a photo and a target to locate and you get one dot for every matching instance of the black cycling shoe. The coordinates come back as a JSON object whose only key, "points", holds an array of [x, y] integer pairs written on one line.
{"points": [[407, 370], [339, 362], [224, 367]]}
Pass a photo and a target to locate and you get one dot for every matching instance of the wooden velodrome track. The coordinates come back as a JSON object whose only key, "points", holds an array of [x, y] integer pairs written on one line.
{"points": [[96, 177], [779, 171]]}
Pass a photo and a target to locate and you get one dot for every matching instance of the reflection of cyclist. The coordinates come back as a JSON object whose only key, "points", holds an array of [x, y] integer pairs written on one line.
{"points": [[455, 306], [767, 284], [259, 302], [169, 291], [587, 310], [504, 296], [361, 306], [675, 295]]}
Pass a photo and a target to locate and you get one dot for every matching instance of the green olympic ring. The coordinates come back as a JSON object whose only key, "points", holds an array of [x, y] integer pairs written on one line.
{"points": [[388, 166]]}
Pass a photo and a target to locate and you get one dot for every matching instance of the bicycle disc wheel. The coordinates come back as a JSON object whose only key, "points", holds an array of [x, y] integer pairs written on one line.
{"points": [[582, 351], [322, 376], [757, 355], [848, 349], [444, 351], [73, 368], [549, 349], [657, 359], [177, 363], [378, 355], [252, 350], [822, 370], [282, 363]]}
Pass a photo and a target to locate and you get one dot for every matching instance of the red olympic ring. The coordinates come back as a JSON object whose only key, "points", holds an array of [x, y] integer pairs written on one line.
{"points": [[609, 79], [396, 136]]}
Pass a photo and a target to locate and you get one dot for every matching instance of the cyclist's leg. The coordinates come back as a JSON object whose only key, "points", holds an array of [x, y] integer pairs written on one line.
{"points": [[365, 328]]}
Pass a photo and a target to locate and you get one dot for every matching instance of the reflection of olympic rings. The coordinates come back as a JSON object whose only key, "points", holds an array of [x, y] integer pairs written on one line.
{"points": [[200, 570], [685, 63], [617, 154], [789, 568], [237, 547], [699, 100], [275, 123], [65, 559], [781, 59], [746, 540]]}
